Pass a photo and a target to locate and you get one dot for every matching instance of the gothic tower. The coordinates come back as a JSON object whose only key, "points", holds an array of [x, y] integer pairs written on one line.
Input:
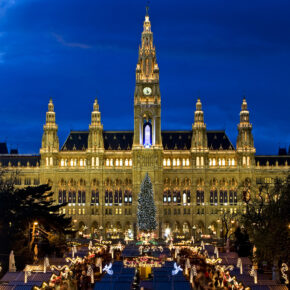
{"points": [[147, 143], [147, 101], [95, 139], [245, 140], [50, 142], [199, 147]]}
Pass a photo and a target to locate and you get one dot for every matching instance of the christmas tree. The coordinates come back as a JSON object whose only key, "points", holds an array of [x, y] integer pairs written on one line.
{"points": [[146, 214]]}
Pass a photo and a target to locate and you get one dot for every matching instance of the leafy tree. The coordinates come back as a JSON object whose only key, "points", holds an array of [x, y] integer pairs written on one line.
{"points": [[267, 221], [20, 208], [227, 220], [146, 211]]}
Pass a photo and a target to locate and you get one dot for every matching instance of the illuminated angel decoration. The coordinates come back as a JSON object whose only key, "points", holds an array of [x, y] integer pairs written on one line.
{"points": [[176, 269], [108, 269]]}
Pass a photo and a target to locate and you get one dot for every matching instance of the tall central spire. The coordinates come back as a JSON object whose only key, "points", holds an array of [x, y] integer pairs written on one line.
{"points": [[147, 67], [147, 100]]}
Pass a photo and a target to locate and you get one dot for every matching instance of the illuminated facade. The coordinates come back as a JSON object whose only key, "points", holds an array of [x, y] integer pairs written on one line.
{"points": [[195, 173]]}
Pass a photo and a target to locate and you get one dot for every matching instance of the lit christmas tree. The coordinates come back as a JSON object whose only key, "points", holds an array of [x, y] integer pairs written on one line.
{"points": [[146, 214]]}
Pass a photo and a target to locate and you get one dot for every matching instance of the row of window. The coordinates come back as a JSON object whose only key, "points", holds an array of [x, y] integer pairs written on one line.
{"points": [[73, 197], [212, 162], [95, 162], [176, 162], [27, 181], [118, 211], [224, 197]]}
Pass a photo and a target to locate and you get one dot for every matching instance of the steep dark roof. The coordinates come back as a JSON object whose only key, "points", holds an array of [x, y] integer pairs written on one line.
{"points": [[174, 140], [3, 148], [123, 140], [272, 160], [218, 140], [22, 159]]}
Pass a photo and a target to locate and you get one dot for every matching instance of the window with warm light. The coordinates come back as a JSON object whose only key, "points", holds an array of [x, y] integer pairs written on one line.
{"points": [[130, 162], [178, 162], [168, 162], [111, 162]]}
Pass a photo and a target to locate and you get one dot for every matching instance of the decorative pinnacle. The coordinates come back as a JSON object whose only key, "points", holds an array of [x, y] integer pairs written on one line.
{"points": [[50, 105], [244, 104], [96, 105], [198, 105], [147, 9]]}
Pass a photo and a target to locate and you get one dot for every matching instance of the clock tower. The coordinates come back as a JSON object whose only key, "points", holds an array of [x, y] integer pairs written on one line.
{"points": [[147, 101], [147, 148]]}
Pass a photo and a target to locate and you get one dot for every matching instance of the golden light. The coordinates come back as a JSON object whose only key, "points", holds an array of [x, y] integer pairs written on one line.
{"points": [[35, 223]]}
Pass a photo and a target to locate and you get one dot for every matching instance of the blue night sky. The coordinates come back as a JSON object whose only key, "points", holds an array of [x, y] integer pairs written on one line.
{"points": [[75, 50]]}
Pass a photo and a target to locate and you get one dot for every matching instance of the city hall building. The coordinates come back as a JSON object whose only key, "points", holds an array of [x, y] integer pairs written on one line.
{"points": [[196, 174]]}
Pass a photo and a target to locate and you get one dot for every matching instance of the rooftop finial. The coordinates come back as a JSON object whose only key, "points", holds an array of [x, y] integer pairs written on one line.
{"points": [[147, 8]]}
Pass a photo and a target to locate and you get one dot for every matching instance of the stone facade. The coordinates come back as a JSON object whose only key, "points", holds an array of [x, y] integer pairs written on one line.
{"points": [[195, 174]]}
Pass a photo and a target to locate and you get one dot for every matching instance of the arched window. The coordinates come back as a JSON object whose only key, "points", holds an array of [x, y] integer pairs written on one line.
{"points": [[83, 197], [221, 197], [93, 197], [79, 197], [178, 162], [174, 162], [169, 195], [116, 197], [225, 197], [130, 162], [121, 162], [188, 196], [213, 162], [64, 196], [184, 198], [197, 161], [168, 162], [97, 197], [81, 162], [126, 162], [120, 196], [178, 197], [62, 163], [187, 162], [117, 162], [201, 161], [60, 196], [69, 197], [164, 162], [74, 197], [223, 162], [147, 135], [110, 197], [165, 196]]}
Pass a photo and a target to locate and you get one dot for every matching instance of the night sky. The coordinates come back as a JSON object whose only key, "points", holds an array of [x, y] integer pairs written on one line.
{"points": [[74, 51]]}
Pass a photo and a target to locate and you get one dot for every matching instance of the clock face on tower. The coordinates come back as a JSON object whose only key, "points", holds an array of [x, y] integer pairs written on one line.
{"points": [[147, 91]]}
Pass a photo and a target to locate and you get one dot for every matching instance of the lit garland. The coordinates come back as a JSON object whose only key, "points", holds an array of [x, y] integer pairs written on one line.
{"points": [[145, 261], [284, 270]]}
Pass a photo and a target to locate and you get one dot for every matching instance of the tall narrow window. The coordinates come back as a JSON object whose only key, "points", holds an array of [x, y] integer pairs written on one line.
{"points": [[60, 196], [147, 133], [74, 197], [93, 198], [188, 196], [64, 196], [83, 197]]}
